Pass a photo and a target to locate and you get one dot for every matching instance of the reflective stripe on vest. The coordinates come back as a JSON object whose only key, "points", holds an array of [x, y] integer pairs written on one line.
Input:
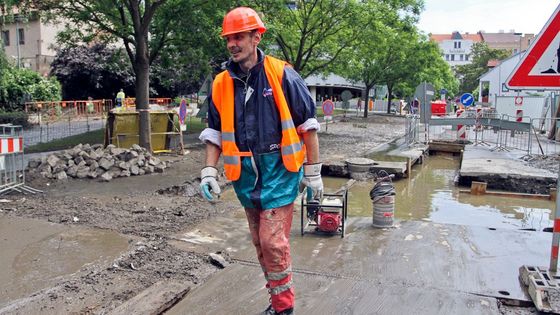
{"points": [[291, 146]]}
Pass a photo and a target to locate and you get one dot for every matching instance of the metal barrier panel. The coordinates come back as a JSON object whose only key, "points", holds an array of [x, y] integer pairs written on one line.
{"points": [[412, 132], [486, 128], [11, 157], [546, 136]]}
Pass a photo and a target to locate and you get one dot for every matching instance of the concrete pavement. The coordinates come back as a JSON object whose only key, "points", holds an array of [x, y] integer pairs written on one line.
{"points": [[416, 268]]}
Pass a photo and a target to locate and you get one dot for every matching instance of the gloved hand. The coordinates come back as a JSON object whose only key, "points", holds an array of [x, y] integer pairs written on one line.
{"points": [[209, 183], [312, 180]]}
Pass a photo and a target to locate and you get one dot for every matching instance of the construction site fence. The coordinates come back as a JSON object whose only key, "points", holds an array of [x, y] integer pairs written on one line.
{"points": [[64, 126], [484, 128], [412, 129], [11, 157], [546, 135], [78, 108], [40, 111]]}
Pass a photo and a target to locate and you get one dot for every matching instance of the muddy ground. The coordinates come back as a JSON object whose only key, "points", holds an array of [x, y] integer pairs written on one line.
{"points": [[148, 210]]}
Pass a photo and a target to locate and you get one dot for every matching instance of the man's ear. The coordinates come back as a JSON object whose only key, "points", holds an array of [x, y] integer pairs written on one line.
{"points": [[257, 37]]}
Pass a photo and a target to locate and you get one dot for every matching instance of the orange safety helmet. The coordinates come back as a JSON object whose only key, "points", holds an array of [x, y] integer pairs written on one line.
{"points": [[242, 19]]}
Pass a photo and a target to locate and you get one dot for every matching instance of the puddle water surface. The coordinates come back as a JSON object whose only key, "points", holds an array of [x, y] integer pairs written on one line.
{"points": [[35, 253], [430, 194]]}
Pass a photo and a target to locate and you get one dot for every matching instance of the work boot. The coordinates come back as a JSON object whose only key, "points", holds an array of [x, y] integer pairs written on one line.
{"points": [[271, 311]]}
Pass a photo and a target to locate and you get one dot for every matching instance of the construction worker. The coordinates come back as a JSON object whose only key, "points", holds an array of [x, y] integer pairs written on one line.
{"points": [[261, 118], [119, 100]]}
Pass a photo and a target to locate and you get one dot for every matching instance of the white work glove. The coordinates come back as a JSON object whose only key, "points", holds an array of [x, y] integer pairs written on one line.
{"points": [[209, 183], [312, 180]]}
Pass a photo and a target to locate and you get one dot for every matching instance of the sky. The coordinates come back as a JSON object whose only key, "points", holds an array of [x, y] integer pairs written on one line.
{"points": [[491, 16]]}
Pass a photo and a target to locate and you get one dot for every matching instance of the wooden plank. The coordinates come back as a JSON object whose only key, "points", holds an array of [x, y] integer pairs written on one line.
{"points": [[478, 188], [446, 147], [155, 300]]}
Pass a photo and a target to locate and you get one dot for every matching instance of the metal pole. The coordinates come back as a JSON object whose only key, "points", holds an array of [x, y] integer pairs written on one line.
{"points": [[17, 41], [555, 231]]}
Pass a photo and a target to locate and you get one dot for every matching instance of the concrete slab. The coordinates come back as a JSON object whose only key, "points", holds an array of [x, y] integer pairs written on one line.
{"points": [[239, 289], [438, 263], [480, 161], [503, 170]]}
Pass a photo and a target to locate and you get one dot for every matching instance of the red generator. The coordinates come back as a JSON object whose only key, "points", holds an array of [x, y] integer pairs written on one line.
{"points": [[439, 108], [327, 215]]}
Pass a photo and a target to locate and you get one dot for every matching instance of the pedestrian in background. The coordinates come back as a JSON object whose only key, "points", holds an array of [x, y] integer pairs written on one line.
{"points": [[261, 118], [119, 100], [359, 105]]}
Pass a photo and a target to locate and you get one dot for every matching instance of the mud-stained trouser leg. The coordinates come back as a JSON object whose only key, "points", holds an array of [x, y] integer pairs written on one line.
{"points": [[270, 230]]}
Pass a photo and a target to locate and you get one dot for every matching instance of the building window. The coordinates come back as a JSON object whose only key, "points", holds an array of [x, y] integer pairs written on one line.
{"points": [[447, 57], [466, 57], [6, 38], [21, 35], [456, 45], [461, 57], [452, 57]]}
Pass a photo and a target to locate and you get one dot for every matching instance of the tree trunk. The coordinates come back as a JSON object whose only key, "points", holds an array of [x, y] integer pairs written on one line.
{"points": [[389, 97], [366, 105], [142, 70]]}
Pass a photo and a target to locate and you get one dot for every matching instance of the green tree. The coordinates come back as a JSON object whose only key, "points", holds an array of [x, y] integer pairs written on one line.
{"points": [[20, 85], [96, 71], [171, 31], [311, 35], [385, 33], [469, 74]]}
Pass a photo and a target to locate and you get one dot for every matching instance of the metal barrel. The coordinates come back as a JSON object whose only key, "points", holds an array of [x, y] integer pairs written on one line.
{"points": [[383, 211]]}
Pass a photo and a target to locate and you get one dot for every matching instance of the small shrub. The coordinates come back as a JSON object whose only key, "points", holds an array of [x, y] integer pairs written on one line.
{"points": [[15, 118]]}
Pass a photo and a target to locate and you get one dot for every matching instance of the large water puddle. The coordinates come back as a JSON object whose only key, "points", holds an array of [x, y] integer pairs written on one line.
{"points": [[430, 194], [35, 254]]}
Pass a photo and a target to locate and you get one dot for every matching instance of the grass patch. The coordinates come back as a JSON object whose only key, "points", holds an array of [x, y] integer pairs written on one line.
{"points": [[319, 111], [92, 137]]}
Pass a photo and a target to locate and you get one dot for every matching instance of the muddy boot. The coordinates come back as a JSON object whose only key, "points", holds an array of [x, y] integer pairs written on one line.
{"points": [[271, 311]]}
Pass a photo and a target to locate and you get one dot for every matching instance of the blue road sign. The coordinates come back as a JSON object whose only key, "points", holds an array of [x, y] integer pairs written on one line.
{"points": [[467, 99], [443, 91]]}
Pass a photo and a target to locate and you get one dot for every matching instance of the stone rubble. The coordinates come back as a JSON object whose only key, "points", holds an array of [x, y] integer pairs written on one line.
{"points": [[95, 162]]}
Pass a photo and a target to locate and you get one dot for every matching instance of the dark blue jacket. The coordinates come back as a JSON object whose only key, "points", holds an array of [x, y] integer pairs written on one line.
{"points": [[257, 123]]}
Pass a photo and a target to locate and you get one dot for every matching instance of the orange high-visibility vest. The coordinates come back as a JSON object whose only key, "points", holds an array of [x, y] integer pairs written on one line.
{"points": [[291, 146]]}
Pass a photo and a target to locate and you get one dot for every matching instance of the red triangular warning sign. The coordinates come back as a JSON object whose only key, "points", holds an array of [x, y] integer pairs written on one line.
{"points": [[539, 69]]}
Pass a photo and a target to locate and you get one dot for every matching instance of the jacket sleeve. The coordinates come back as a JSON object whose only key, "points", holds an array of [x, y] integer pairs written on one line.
{"points": [[300, 102], [213, 133]]}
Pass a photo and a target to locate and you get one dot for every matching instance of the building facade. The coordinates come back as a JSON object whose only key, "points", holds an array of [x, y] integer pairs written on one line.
{"points": [[30, 41], [456, 47], [512, 42]]}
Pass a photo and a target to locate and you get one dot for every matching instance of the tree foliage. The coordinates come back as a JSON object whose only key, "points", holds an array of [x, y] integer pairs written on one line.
{"points": [[96, 71], [481, 54], [312, 35], [18, 86]]}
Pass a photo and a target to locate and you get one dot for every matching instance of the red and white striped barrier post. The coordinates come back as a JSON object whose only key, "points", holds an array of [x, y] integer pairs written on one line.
{"points": [[555, 231], [11, 145], [519, 115], [461, 129]]}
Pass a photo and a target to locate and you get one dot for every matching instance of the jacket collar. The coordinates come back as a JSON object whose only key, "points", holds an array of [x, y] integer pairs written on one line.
{"points": [[235, 71]]}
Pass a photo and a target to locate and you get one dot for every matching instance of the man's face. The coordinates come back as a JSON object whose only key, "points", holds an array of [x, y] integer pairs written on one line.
{"points": [[242, 45]]}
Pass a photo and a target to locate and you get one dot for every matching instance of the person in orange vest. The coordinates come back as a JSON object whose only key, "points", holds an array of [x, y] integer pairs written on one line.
{"points": [[370, 105], [261, 119]]}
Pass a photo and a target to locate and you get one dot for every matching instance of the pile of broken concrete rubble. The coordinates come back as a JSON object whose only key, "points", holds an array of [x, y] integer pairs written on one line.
{"points": [[94, 161]]}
